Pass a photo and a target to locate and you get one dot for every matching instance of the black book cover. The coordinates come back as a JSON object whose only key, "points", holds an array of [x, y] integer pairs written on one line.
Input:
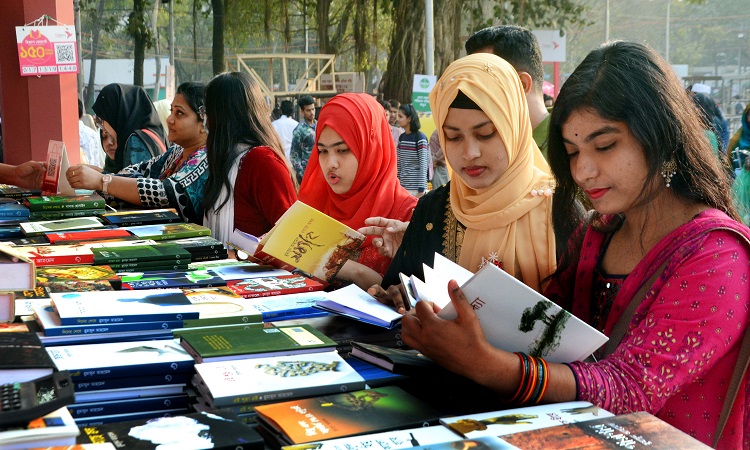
{"points": [[23, 358]]}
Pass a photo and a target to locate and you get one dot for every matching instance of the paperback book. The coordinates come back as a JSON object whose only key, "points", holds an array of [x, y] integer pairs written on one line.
{"points": [[91, 409], [269, 379], [200, 244], [138, 267], [219, 344], [54, 429], [345, 414], [55, 182], [142, 217], [121, 359], [388, 440], [499, 423], [156, 279], [274, 285], [169, 231], [98, 421], [24, 358], [634, 431], [352, 301], [513, 316], [219, 430], [10, 191], [73, 273], [12, 209], [88, 235], [135, 392], [17, 270], [47, 226], [77, 286], [396, 360], [303, 239], [54, 203], [64, 214], [111, 384], [82, 308], [51, 325], [57, 255], [138, 253]]}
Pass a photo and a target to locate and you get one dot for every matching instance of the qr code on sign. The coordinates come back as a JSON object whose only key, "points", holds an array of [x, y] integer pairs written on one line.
{"points": [[65, 53]]}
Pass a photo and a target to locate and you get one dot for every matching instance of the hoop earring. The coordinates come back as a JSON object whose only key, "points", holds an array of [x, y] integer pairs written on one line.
{"points": [[668, 170]]}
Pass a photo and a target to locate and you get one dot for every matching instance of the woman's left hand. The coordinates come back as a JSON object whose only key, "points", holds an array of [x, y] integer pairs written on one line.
{"points": [[82, 176], [455, 344]]}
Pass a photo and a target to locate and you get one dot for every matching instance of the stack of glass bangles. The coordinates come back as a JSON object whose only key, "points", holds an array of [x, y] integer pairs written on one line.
{"points": [[534, 379]]}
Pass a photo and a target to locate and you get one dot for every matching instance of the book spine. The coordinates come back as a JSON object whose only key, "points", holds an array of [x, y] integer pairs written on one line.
{"points": [[199, 258], [162, 284], [129, 382], [112, 328], [289, 313], [66, 205], [135, 260], [219, 321], [63, 214], [13, 214], [180, 235], [135, 370], [137, 405], [162, 317], [277, 292], [286, 394], [144, 221], [62, 260], [96, 421]]}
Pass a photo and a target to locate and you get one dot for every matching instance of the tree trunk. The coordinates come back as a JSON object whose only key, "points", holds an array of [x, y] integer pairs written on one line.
{"points": [[157, 56], [217, 50], [448, 42], [195, 39], [406, 55], [322, 10], [89, 100], [139, 33]]}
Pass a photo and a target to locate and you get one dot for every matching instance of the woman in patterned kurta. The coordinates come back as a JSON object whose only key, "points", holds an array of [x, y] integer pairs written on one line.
{"points": [[664, 239], [175, 179]]}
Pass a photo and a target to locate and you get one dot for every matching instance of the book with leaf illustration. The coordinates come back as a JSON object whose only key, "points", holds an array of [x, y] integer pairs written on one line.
{"points": [[268, 379], [303, 239], [513, 316], [498, 423]]}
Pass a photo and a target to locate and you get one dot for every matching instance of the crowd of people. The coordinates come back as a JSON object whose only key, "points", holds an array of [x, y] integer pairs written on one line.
{"points": [[623, 203]]}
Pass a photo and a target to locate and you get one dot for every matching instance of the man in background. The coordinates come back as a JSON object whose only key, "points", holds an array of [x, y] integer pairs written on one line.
{"points": [[521, 49], [396, 130], [303, 137], [285, 126]]}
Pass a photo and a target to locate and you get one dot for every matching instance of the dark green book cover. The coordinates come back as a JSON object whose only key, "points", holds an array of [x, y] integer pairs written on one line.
{"points": [[139, 266], [58, 202], [169, 231], [220, 345], [135, 253], [200, 244], [64, 214], [346, 414]]}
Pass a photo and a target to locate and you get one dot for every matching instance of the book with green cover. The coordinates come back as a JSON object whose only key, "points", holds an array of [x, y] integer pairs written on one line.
{"points": [[221, 345], [59, 202], [168, 231], [396, 360], [264, 380], [65, 213], [345, 414], [136, 253]]}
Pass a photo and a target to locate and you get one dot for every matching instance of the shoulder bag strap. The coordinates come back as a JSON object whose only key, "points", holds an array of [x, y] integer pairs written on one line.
{"points": [[156, 139]]}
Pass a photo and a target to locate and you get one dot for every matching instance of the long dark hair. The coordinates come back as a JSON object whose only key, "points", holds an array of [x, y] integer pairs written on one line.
{"points": [[630, 83], [411, 113], [195, 96], [236, 113]]}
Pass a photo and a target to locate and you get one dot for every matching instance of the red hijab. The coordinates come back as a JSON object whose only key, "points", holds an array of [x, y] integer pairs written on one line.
{"points": [[376, 191]]}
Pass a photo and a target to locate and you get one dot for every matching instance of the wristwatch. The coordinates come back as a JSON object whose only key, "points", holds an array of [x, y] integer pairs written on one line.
{"points": [[105, 182]]}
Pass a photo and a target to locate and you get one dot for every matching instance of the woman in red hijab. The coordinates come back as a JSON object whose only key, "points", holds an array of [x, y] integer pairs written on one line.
{"points": [[351, 176]]}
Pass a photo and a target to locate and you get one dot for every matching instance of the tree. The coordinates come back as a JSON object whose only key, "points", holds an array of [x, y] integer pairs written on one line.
{"points": [[139, 30], [217, 48]]}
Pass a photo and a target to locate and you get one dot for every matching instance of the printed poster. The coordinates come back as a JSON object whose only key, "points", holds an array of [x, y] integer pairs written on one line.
{"points": [[46, 50], [420, 91]]}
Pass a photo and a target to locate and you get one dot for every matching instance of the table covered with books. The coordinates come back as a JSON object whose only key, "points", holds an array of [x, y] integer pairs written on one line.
{"points": [[151, 336]]}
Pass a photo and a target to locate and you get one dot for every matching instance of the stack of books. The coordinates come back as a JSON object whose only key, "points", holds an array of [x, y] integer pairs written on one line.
{"points": [[130, 258], [105, 374], [203, 248], [12, 214], [169, 231], [62, 207], [142, 217]]}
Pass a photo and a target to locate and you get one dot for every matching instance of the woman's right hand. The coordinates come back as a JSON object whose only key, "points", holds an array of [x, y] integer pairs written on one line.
{"points": [[393, 296]]}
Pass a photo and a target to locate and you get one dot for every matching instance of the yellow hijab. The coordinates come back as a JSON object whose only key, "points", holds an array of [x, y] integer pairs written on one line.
{"points": [[505, 223]]}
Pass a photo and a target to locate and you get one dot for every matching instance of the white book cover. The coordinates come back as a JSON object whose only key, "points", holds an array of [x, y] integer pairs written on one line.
{"points": [[121, 359], [499, 423], [516, 318], [388, 440], [56, 428], [278, 378], [147, 305], [49, 226], [353, 302]]}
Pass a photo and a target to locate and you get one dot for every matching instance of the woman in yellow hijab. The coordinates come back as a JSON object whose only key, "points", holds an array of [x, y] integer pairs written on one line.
{"points": [[497, 207]]}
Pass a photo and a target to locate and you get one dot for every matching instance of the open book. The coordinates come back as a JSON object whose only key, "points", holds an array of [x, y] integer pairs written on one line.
{"points": [[303, 240], [513, 316]]}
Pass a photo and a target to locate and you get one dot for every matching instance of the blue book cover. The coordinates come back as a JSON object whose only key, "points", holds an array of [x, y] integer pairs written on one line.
{"points": [[156, 305], [121, 359], [105, 384], [48, 319], [10, 208], [96, 421], [92, 409]]}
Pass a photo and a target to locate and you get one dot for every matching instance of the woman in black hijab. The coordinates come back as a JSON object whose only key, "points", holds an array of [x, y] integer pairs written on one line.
{"points": [[129, 125]]}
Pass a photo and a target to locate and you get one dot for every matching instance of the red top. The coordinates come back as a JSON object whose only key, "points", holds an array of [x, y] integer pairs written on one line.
{"points": [[263, 191]]}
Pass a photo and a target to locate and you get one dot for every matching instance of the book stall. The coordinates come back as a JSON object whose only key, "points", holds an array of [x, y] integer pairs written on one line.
{"points": [[135, 329]]}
